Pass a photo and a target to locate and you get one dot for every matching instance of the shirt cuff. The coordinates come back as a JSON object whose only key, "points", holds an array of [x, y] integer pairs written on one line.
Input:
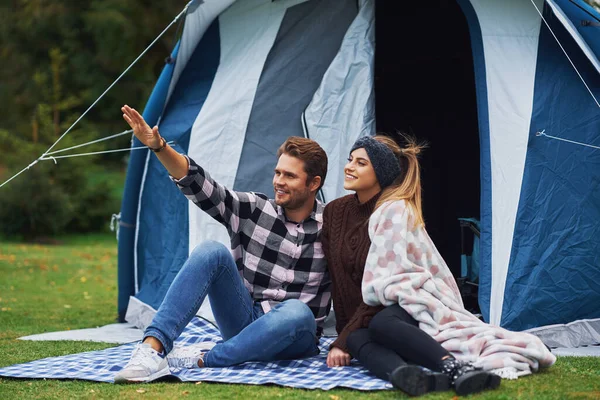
{"points": [[187, 179]]}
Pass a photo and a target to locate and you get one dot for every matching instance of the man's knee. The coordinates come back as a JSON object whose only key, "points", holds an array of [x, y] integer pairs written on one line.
{"points": [[299, 314], [209, 254], [210, 247]]}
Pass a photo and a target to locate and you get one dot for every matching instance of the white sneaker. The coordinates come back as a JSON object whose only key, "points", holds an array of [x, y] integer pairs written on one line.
{"points": [[145, 365], [189, 355]]}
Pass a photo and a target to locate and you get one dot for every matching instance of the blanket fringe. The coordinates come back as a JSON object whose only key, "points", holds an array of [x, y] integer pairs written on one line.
{"points": [[509, 373]]}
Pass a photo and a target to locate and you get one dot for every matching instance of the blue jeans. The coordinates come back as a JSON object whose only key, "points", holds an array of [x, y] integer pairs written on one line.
{"points": [[288, 331]]}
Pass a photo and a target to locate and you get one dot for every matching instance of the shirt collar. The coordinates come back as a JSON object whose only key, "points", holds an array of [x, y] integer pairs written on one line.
{"points": [[315, 215]]}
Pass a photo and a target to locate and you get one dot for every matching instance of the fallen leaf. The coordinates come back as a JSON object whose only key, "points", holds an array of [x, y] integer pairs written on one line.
{"points": [[83, 279], [67, 306], [43, 267], [141, 391], [198, 383], [55, 268], [92, 391], [185, 392], [334, 397]]}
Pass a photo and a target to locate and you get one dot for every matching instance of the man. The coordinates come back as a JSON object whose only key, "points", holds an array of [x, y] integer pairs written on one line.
{"points": [[271, 293]]}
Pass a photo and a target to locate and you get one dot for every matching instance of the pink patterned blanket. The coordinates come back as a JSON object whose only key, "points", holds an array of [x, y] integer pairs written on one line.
{"points": [[405, 267]]}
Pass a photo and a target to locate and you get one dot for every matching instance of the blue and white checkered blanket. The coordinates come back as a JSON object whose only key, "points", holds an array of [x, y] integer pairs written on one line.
{"points": [[309, 373]]}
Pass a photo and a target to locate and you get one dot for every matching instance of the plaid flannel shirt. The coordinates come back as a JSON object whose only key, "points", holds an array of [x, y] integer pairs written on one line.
{"points": [[277, 259]]}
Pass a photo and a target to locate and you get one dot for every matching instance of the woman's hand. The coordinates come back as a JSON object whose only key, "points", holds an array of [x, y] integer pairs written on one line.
{"points": [[148, 136], [338, 358]]}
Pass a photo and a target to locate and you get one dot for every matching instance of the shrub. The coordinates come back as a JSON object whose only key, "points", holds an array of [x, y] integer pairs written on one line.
{"points": [[34, 205]]}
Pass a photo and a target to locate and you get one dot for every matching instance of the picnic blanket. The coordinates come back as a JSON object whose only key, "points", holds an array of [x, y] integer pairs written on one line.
{"points": [[309, 373], [404, 267]]}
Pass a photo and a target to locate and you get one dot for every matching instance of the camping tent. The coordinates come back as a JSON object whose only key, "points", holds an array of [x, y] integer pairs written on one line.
{"points": [[249, 73]]}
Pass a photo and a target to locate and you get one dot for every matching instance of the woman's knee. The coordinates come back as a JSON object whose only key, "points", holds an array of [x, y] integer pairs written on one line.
{"points": [[356, 340], [384, 319]]}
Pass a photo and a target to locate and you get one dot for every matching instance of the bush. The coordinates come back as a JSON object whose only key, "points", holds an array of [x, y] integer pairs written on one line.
{"points": [[93, 208], [34, 206]]}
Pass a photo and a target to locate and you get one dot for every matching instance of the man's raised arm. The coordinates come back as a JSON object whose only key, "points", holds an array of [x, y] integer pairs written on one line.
{"points": [[175, 163]]}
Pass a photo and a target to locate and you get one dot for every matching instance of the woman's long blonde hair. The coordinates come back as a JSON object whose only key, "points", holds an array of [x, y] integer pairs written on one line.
{"points": [[408, 184]]}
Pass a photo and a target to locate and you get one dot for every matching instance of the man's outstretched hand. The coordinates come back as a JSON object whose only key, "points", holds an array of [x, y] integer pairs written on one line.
{"points": [[148, 136]]}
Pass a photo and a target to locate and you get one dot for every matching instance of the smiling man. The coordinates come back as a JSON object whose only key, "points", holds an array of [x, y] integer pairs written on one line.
{"points": [[270, 293]]}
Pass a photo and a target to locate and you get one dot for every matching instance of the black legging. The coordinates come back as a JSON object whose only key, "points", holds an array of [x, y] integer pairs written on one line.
{"points": [[392, 339]]}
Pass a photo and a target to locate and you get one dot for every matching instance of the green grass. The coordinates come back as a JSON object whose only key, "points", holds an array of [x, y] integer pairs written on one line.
{"points": [[74, 285]]}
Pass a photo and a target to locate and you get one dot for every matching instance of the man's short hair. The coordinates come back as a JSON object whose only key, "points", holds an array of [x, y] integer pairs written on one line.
{"points": [[309, 151]]}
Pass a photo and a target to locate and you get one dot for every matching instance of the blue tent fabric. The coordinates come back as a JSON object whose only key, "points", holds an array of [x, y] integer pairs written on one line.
{"points": [[309, 373], [129, 205], [543, 269], [553, 265], [585, 19], [485, 244], [161, 252]]}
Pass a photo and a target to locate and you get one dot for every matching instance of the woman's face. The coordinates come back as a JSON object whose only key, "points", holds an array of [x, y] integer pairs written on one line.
{"points": [[359, 174]]}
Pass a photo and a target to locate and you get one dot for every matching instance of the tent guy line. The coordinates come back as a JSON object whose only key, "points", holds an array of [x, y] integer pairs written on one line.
{"points": [[44, 156], [129, 131], [543, 133], [564, 51], [50, 157]]}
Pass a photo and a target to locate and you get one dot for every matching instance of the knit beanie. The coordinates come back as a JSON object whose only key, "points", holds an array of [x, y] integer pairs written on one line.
{"points": [[384, 161]]}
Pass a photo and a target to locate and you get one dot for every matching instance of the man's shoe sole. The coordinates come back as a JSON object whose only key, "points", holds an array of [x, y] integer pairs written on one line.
{"points": [[159, 374]]}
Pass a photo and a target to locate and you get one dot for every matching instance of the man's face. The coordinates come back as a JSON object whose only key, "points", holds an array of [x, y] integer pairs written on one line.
{"points": [[289, 182]]}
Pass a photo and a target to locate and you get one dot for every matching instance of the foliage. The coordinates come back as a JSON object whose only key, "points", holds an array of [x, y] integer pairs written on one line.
{"points": [[58, 57], [594, 3], [83, 46]]}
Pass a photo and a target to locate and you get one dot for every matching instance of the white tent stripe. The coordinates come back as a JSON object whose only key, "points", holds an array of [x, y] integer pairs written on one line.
{"points": [[508, 34], [247, 32]]}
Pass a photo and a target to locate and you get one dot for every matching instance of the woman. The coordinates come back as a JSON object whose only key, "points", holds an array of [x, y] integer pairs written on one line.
{"points": [[382, 338], [405, 271]]}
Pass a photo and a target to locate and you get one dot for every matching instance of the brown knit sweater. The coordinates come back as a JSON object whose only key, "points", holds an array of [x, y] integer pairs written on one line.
{"points": [[346, 244]]}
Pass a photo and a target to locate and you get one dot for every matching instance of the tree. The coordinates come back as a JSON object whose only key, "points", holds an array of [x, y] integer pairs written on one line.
{"points": [[58, 57]]}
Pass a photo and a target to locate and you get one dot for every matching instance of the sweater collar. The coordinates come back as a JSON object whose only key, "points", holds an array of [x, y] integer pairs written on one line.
{"points": [[366, 209]]}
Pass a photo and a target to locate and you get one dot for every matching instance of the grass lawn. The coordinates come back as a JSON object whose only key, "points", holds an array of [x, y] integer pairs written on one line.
{"points": [[74, 285]]}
